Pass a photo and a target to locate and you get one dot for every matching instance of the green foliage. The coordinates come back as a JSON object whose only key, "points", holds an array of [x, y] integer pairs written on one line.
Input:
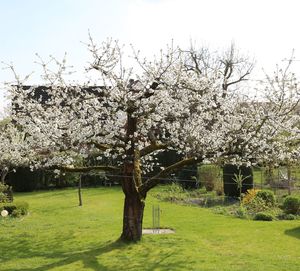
{"points": [[267, 196], [208, 176], [3, 192], [173, 192], [241, 212], [259, 201], [256, 205], [264, 216], [16, 208], [67, 179], [285, 216], [17, 213], [291, 205]]}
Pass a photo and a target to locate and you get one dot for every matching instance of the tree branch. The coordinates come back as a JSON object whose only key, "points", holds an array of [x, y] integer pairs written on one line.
{"points": [[153, 181], [151, 148], [83, 169]]}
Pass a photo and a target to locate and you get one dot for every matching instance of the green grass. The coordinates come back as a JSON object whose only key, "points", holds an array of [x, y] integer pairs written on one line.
{"points": [[59, 235]]}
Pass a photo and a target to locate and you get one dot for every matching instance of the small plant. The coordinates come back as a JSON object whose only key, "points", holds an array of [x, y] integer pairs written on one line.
{"points": [[239, 178], [241, 212], [291, 205], [263, 216], [267, 196]]}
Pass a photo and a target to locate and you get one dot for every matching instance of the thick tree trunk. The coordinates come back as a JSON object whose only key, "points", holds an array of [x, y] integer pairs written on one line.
{"points": [[133, 218], [134, 201]]}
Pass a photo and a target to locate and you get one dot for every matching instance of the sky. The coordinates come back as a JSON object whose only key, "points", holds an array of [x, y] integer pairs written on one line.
{"points": [[265, 30]]}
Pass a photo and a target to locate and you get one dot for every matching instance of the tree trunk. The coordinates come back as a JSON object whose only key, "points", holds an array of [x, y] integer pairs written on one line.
{"points": [[3, 175], [134, 201], [132, 218]]}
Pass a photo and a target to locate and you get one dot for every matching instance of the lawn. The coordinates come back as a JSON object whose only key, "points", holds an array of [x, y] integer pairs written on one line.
{"points": [[59, 235]]}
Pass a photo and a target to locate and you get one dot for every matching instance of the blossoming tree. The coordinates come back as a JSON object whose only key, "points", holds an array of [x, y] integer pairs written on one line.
{"points": [[15, 149], [181, 100]]}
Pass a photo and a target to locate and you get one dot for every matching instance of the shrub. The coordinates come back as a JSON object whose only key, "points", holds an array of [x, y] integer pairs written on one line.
{"points": [[9, 207], [263, 216], [15, 208], [16, 213], [173, 192], [256, 205], [291, 205], [4, 191], [267, 196], [241, 212], [23, 207], [208, 175], [287, 217], [249, 196]]}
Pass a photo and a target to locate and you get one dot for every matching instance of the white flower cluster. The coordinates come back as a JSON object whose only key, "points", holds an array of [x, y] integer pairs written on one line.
{"points": [[177, 101]]}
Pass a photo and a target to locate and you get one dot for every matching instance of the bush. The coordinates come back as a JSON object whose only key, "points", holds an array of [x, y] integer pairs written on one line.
{"points": [[241, 212], [208, 176], [263, 216], [267, 196], [249, 196], [291, 205], [15, 208], [256, 205], [16, 213], [5, 190], [287, 217], [173, 192], [23, 207]]}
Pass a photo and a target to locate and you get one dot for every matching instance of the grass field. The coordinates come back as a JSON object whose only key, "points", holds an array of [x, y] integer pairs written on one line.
{"points": [[59, 235]]}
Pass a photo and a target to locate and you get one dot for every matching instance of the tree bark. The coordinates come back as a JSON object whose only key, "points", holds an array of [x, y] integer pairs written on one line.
{"points": [[3, 175], [134, 201], [133, 218]]}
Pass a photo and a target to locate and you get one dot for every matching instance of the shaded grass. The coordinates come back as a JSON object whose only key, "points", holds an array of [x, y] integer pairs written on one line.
{"points": [[59, 235]]}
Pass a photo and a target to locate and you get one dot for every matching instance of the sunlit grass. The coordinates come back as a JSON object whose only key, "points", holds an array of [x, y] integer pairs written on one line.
{"points": [[59, 235]]}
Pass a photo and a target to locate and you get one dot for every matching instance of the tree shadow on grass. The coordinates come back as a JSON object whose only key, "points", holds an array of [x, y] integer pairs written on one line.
{"points": [[293, 232], [88, 258], [139, 256]]}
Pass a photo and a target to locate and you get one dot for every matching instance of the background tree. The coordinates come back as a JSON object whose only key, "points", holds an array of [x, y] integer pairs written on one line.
{"points": [[15, 148]]}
